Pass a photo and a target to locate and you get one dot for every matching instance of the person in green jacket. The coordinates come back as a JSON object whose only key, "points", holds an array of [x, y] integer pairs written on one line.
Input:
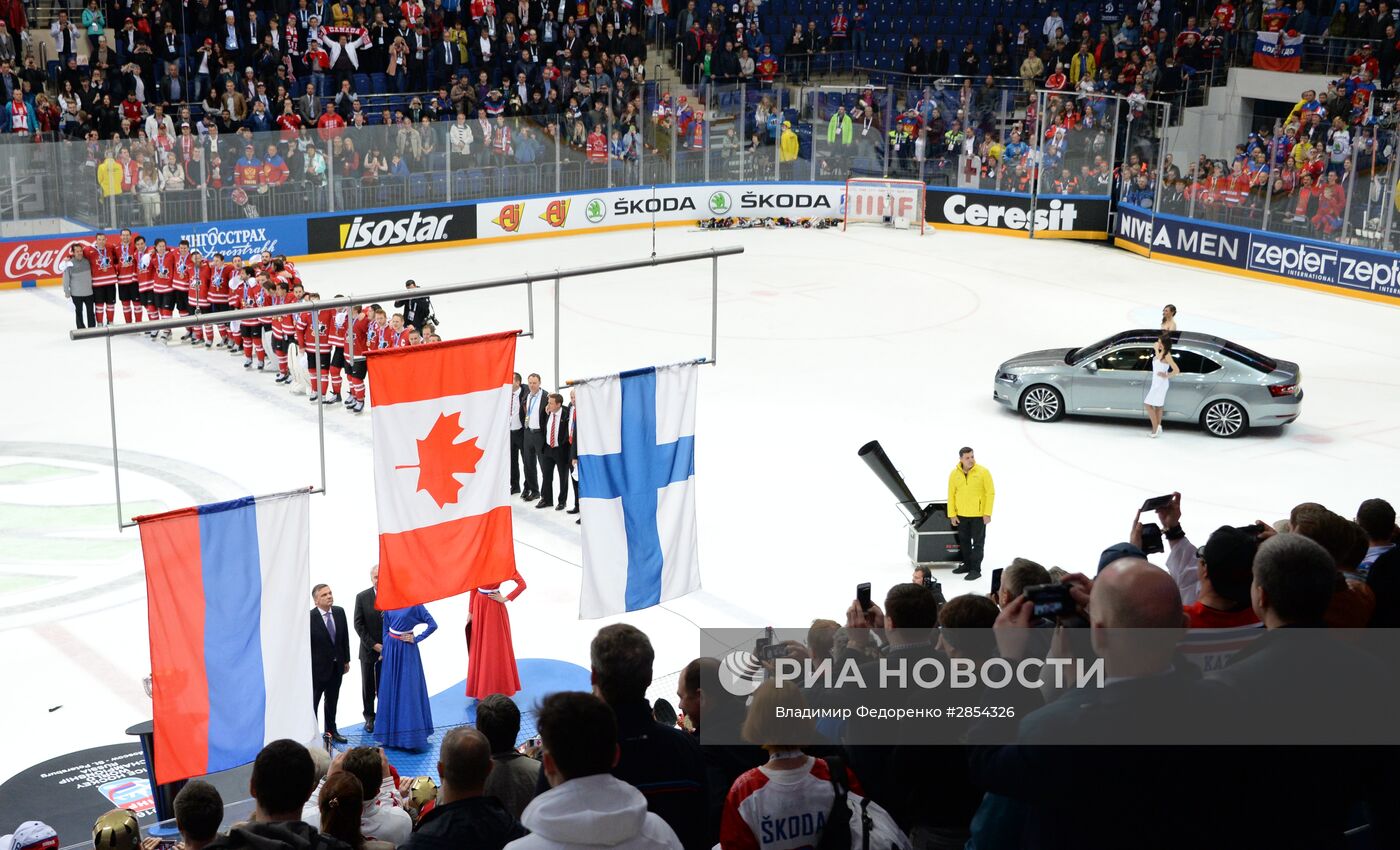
{"points": [[970, 497], [839, 134], [839, 127]]}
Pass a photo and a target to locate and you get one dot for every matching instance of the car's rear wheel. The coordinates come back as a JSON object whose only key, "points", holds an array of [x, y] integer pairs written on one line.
{"points": [[1224, 418], [1042, 403]]}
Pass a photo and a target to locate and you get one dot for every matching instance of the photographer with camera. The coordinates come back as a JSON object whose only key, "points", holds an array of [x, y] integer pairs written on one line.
{"points": [[416, 311], [917, 785], [1135, 621], [924, 576], [1016, 577]]}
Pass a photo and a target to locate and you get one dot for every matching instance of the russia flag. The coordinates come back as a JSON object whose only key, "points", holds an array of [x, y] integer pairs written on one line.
{"points": [[227, 588]]}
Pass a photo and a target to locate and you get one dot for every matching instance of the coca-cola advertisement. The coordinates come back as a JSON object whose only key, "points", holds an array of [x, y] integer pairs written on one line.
{"points": [[27, 262]]}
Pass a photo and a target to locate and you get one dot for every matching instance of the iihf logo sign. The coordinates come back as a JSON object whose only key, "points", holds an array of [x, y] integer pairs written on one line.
{"points": [[740, 673], [132, 792]]}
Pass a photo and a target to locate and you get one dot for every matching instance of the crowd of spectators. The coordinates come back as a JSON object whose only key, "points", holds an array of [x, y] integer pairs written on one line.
{"points": [[368, 93], [1310, 172], [612, 768], [220, 109]]}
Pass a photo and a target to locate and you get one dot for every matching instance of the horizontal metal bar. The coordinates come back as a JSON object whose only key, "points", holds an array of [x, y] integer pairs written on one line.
{"points": [[308, 490], [396, 295], [699, 361]]}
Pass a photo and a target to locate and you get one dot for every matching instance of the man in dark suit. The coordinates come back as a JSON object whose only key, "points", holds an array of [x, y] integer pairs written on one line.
{"points": [[448, 58], [573, 444], [555, 456], [517, 432], [330, 654], [369, 625], [532, 406]]}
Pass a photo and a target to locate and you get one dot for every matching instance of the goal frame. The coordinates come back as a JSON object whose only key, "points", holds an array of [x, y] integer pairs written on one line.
{"points": [[920, 193]]}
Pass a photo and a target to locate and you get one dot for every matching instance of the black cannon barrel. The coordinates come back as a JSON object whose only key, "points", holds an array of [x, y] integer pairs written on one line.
{"points": [[879, 462]]}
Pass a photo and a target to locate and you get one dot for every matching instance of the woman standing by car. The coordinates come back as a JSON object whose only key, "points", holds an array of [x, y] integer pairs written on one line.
{"points": [[1164, 368]]}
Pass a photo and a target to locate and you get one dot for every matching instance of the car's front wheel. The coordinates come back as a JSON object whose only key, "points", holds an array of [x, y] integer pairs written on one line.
{"points": [[1042, 403], [1224, 418]]}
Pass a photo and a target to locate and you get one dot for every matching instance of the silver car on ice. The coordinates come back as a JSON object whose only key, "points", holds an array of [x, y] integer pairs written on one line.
{"points": [[1224, 386]]}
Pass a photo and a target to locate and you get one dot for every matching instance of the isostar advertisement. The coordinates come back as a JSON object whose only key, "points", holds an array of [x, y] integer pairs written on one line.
{"points": [[31, 261], [364, 230], [1055, 216], [1272, 256], [662, 204]]}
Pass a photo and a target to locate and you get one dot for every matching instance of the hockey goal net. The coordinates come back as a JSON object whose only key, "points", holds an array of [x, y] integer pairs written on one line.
{"points": [[893, 203]]}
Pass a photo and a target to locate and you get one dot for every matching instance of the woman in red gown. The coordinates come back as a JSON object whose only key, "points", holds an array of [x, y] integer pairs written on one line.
{"points": [[490, 652]]}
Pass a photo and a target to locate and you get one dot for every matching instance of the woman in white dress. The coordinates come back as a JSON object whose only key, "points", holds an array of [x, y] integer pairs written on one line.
{"points": [[1164, 368]]}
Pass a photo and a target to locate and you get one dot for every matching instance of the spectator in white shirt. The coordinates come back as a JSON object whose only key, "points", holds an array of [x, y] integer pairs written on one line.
{"points": [[382, 815], [459, 136], [158, 119]]}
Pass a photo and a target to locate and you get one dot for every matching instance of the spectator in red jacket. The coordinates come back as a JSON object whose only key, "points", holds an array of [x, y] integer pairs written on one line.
{"points": [[330, 124]]}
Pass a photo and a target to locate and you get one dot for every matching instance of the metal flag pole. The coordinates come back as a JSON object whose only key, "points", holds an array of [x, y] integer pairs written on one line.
{"points": [[320, 397], [699, 361], [556, 328], [422, 291], [112, 406]]}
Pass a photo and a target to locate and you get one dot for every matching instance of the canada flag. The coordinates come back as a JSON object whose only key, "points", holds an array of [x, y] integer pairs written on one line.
{"points": [[441, 420]]}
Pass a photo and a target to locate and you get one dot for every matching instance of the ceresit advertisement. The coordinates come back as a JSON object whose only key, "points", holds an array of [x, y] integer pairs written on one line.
{"points": [[662, 204]]}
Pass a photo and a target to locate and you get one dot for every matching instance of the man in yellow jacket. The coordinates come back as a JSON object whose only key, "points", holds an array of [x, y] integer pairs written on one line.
{"points": [[970, 496], [787, 143], [109, 176]]}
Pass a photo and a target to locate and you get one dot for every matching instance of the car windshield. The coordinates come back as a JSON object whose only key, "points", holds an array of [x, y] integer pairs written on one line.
{"points": [[1077, 354]]}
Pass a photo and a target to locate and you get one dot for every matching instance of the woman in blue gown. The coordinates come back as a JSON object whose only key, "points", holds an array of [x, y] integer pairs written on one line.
{"points": [[405, 718]]}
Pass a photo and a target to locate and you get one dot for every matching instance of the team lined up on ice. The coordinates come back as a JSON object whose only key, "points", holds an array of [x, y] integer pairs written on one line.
{"points": [[159, 282]]}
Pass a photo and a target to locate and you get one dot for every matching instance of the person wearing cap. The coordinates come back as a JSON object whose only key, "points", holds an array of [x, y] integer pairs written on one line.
{"points": [[787, 145], [31, 835], [228, 34]]}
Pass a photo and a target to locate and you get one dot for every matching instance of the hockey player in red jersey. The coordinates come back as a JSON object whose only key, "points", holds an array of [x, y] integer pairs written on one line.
{"points": [[163, 283], [313, 332], [145, 281], [180, 278], [338, 328], [126, 258], [249, 293], [215, 277], [395, 337], [283, 329], [104, 278], [198, 295], [358, 344]]}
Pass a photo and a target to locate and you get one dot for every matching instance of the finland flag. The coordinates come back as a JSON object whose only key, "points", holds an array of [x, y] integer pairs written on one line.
{"points": [[636, 484]]}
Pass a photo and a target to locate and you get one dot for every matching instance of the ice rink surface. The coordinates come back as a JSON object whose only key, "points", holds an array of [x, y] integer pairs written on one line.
{"points": [[827, 340]]}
